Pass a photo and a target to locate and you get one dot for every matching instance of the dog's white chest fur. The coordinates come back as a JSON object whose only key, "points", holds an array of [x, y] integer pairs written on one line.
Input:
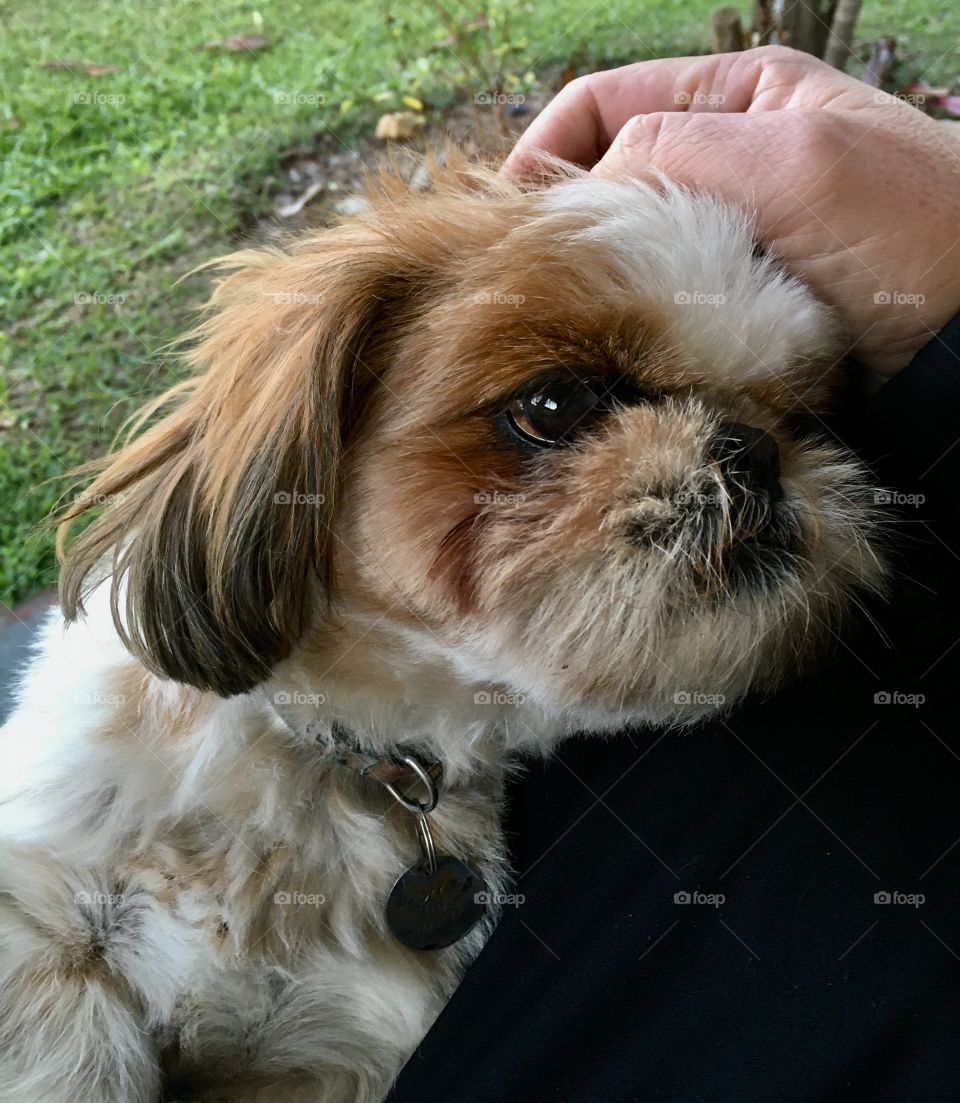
{"points": [[215, 888]]}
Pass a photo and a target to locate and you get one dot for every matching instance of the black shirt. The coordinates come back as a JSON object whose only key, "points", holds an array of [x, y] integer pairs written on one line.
{"points": [[706, 915]]}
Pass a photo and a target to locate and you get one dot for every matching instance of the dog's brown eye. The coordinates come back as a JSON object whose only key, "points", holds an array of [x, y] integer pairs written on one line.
{"points": [[553, 411]]}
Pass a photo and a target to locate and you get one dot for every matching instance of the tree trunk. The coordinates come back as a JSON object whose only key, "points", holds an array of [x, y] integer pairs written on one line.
{"points": [[763, 29], [883, 55], [841, 33], [805, 24], [727, 31]]}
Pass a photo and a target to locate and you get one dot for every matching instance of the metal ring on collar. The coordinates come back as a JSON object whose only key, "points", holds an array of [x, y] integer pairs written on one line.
{"points": [[423, 775]]}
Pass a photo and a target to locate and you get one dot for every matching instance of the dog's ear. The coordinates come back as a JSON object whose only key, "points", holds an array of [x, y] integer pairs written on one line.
{"points": [[217, 521]]}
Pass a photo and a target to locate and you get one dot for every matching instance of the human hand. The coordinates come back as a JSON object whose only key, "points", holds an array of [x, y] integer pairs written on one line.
{"points": [[857, 191]]}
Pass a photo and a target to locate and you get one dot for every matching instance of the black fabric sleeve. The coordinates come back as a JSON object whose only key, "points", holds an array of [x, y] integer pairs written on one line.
{"points": [[767, 907], [911, 428]]}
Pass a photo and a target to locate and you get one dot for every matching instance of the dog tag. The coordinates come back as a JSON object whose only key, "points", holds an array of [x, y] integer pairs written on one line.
{"points": [[431, 907], [439, 899]]}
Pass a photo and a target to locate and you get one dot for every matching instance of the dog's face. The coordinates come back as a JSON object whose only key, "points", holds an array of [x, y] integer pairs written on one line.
{"points": [[550, 435]]}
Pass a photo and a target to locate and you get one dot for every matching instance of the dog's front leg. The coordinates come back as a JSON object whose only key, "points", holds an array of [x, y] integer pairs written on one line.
{"points": [[68, 1035], [68, 1038], [86, 975]]}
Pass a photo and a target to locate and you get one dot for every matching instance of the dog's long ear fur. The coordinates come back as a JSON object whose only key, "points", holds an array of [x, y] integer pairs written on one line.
{"points": [[216, 530]]}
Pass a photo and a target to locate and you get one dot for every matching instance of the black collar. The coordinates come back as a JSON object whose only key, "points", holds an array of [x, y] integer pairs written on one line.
{"points": [[303, 721]]}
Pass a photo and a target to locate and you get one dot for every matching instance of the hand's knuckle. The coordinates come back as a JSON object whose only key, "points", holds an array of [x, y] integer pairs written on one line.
{"points": [[578, 87], [633, 129], [777, 53], [646, 130]]}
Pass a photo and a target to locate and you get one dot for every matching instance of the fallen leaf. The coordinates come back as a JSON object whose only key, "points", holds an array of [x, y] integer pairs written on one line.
{"points": [[11, 124], [921, 88], [921, 94], [398, 126], [239, 42], [412, 102], [568, 74]]}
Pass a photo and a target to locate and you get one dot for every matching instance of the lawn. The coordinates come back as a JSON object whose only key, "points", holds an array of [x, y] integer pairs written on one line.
{"points": [[115, 184]]}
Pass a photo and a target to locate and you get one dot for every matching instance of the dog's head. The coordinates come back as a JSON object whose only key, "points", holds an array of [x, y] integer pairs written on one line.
{"points": [[549, 434]]}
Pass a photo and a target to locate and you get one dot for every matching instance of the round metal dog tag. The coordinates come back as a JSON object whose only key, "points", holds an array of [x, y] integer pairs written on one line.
{"points": [[430, 909]]}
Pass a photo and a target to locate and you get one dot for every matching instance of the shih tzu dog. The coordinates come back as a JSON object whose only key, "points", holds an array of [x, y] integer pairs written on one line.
{"points": [[476, 469]]}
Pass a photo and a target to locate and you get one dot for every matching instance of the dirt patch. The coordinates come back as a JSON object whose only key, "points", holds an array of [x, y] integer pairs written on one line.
{"points": [[327, 180]]}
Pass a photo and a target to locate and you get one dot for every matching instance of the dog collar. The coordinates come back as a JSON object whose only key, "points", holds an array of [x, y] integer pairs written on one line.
{"points": [[389, 769], [303, 721], [439, 899]]}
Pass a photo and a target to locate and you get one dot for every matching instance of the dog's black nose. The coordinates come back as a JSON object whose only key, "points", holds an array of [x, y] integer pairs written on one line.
{"points": [[749, 457]]}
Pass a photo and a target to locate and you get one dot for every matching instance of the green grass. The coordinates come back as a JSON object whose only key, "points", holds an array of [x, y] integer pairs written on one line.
{"points": [[113, 187]]}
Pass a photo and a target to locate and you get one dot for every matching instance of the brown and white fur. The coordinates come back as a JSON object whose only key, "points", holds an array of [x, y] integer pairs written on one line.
{"points": [[330, 513]]}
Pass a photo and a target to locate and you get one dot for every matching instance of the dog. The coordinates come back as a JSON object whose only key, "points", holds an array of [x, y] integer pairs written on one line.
{"points": [[474, 470]]}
